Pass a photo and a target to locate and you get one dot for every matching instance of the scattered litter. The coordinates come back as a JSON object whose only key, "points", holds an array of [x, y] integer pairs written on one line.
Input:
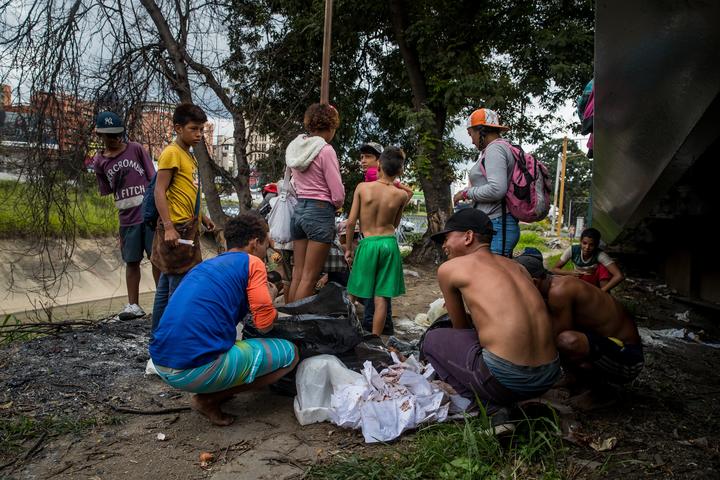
{"points": [[603, 445], [437, 309], [404, 325], [422, 320], [662, 337], [150, 368], [5, 406], [161, 437], [411, 273], [405, 348], [382, 405], [684, 316], [206, 458], [698, 442]]}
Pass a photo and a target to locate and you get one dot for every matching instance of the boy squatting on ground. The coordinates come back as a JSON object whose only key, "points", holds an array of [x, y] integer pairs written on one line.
{"points": [[125, 170], [591, 263], [594, 333], [176, 195], [377, 266], [503, 350], [195, 348]]}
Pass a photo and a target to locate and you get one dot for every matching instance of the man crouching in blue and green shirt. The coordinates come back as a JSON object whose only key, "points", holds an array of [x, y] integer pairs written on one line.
{"points": [[194, 347]]}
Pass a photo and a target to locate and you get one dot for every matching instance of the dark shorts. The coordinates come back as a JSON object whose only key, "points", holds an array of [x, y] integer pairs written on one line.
{"points": [[456, 356], [313, 220], [134, 240], [614, 363]]}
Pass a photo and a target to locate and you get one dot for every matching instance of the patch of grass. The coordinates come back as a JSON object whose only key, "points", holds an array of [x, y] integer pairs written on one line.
{"points": [[541, 226], [530, 239], [553, 259], [8, 334], [15, 431], [458, 451], [90, 214]]}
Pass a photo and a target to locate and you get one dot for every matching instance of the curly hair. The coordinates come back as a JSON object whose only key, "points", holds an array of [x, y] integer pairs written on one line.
{"points": [[243, 228], [321, 116]]}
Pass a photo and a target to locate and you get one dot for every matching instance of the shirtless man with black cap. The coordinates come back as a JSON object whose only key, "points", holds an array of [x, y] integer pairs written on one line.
{"points": [[503, 350]]}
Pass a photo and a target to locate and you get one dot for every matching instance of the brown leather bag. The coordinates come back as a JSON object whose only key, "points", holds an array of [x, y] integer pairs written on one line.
{"points": [[180, 259]]}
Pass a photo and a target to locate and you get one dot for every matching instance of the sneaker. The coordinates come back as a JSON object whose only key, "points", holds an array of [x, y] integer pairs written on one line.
{"points": [[131, 310]]}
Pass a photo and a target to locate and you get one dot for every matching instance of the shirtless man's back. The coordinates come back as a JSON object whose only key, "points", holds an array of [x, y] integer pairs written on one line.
{"points": [[501, 351], [593, 331], [576, 304]]}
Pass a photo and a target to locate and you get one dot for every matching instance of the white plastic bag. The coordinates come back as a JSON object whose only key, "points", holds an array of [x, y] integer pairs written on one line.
{"points": [[317, 379], [282, 211]]}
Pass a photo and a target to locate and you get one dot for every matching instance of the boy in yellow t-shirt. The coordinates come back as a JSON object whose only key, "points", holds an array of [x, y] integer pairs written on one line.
{"points": [[176, 248]]}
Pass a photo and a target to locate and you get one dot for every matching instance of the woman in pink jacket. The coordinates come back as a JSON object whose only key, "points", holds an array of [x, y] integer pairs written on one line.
{"points": [[320, 192]]}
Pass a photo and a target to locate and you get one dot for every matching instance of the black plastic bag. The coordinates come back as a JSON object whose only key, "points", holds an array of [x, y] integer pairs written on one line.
{"points": [[323, 323], [371, 348]]}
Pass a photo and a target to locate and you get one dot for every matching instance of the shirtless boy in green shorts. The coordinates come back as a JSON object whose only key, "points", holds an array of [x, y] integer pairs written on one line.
{"points": [[377, 267]]}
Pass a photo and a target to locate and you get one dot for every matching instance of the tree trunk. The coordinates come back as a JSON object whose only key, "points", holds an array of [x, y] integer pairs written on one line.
{"points": [[181, 84], [241, 182], [435, 184]]}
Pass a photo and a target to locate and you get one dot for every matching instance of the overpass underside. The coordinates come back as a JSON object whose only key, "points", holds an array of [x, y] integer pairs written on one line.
{"points": [[656, 178]]}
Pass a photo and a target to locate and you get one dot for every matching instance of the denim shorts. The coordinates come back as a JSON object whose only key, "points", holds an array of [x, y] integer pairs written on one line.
{"points": [[134, 240], [313, 220]]}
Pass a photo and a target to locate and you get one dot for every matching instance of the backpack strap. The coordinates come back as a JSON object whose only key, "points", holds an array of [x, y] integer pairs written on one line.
{"points": [[197, 199]]}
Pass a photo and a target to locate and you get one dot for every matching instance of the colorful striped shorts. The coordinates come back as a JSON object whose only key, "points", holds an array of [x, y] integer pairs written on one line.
{"points": [[242, 364]]}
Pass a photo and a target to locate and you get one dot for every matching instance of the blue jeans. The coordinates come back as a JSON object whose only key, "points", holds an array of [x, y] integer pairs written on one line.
{"points": [[512, 235], [165, 288], [369, 312]]}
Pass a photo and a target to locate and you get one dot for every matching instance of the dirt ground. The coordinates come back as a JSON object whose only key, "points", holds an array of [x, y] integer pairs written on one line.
{"points": [[665, 425]]}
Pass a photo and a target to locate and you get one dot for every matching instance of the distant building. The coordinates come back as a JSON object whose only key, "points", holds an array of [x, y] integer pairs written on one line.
{"points": [[256, 149], [225, 153]]}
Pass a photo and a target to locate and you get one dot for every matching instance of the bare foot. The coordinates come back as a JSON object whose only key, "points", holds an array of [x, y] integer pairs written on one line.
{"points": [[211, 410]]}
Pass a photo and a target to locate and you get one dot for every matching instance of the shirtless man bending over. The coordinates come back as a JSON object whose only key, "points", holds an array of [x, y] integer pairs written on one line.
{"points": [[377, 265], [593, 331], [503, 350]]}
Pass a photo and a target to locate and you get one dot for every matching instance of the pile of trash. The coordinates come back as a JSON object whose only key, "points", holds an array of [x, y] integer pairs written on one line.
{"points": [[383, 405]]}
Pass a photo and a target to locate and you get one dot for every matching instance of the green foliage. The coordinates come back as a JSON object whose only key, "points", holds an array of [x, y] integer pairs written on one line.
{"points": [[541, 226], [458, 451], [91, 214], [7, 333], [578, 173], [530, 239], [410, 85]]}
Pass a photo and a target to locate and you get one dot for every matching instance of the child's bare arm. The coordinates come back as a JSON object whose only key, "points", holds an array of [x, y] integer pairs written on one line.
{"points": [[398, 215], [350, 224]]}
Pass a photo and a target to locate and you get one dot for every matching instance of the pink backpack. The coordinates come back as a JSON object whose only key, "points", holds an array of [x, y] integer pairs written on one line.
{"points": [[528, 195]]}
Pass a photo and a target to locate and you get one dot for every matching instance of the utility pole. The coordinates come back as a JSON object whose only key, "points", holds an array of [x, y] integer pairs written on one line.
{"points": [[562, 186], [325, 76], [557, 186]]}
